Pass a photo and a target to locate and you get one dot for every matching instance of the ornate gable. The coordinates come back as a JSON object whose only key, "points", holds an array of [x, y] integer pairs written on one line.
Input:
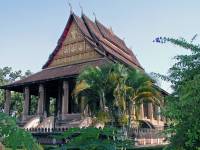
{"points": [[74, 49]]}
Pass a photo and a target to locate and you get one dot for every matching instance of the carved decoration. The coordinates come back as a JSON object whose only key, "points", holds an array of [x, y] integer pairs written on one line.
{"points": [[74, 49]]}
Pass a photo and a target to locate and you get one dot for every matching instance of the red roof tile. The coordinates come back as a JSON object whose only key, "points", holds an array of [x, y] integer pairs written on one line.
{"points": [[82, 26], [103, 35], [93, 29], [110, 36]]}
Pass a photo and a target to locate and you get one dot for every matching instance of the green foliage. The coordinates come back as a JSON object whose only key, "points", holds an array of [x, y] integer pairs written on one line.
{"points": [[182, 106], [33, 104], [7, 75], [17, 104], [95, 139], [140, 88], [102, 117], [52, 106], [123, 120], [14, 137], [114, 89]]}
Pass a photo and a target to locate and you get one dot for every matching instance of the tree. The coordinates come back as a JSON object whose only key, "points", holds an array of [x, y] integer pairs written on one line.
{"points": [[116, 98], [95, 139], [7, 75], [114, 88], [140, 88], [91, 88], [14, 137], [182, 106]]}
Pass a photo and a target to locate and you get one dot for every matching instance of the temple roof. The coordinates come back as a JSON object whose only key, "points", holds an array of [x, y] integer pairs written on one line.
{"points": [[59, 72], [100, 37]]}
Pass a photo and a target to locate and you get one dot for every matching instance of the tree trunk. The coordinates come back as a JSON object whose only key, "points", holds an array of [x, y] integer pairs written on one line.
{"points": [[102, 100], [129, 113]]}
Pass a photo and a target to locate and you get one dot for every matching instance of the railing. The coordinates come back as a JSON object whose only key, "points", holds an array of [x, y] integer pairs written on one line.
{"points": [[146, 136], [132, 132], [145, 133], [46, 130], [141, 136]]}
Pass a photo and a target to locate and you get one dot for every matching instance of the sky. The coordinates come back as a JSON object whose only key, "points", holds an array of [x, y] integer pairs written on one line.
{"points": [[29, 30]]}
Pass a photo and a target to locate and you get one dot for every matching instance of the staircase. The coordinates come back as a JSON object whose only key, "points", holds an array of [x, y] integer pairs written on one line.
{"points": [[32, 123], [47, 123]]}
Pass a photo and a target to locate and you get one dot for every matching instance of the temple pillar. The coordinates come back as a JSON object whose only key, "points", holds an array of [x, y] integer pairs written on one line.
{"points": [[59, 101], [47, 104], [41, 100], [150, 111], [161, 116], [133, 111], [65, 99], [141, 111], [82, 106], [26, 103], [158, 113], [7, 102]]}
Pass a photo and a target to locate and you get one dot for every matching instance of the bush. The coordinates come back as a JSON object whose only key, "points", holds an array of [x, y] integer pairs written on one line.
{"points": [[14, 137], [95, 139]]}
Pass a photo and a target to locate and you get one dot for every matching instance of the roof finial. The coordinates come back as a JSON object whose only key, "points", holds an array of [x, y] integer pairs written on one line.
{"points": [[70, 6], [111, 30], [94, 15], [194, 37], [81, 8]]}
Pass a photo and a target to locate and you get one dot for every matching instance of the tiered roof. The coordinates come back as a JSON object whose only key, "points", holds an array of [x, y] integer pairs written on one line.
{"points": [[100, 37]]}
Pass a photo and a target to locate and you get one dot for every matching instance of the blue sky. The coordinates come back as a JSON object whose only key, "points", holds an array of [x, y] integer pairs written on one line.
{"points": [[29, 30]]}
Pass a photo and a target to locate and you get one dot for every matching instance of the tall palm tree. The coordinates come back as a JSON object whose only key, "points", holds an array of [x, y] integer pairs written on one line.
{"points": [[100, 88], [117, 104], [115, 89], [139, 88], [92, 86]]}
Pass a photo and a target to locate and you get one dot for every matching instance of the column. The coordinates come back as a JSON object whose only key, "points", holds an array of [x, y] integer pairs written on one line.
{"points": [[82, 106], [158, 113], [59, 100], [26, 103], [161, 116], [150, 111], [133, 111], [65, 99], [7, 102], [47, 104], [41, 100], [141, 111]]}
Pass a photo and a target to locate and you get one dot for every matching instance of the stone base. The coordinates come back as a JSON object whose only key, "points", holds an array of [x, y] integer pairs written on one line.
{"points": [[70, 116], [68, 120], [25, 118]]}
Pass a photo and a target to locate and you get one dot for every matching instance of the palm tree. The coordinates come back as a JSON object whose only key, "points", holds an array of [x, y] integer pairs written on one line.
{"points": [[100, 89], [139, 88], [116, 90], [92, 87], [117, 104]]}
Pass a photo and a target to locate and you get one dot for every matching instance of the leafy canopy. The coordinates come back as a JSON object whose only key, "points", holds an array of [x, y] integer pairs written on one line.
{"points": [[182, 106], [14, 137], [7, 75], [114, 89], [95, 139]]}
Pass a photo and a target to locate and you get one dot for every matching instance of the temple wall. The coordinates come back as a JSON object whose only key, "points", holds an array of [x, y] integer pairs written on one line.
{"points": [[74, 49]]}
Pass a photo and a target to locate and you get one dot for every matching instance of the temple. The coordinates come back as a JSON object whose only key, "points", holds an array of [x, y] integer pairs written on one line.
{"points": [[83, 43]]}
